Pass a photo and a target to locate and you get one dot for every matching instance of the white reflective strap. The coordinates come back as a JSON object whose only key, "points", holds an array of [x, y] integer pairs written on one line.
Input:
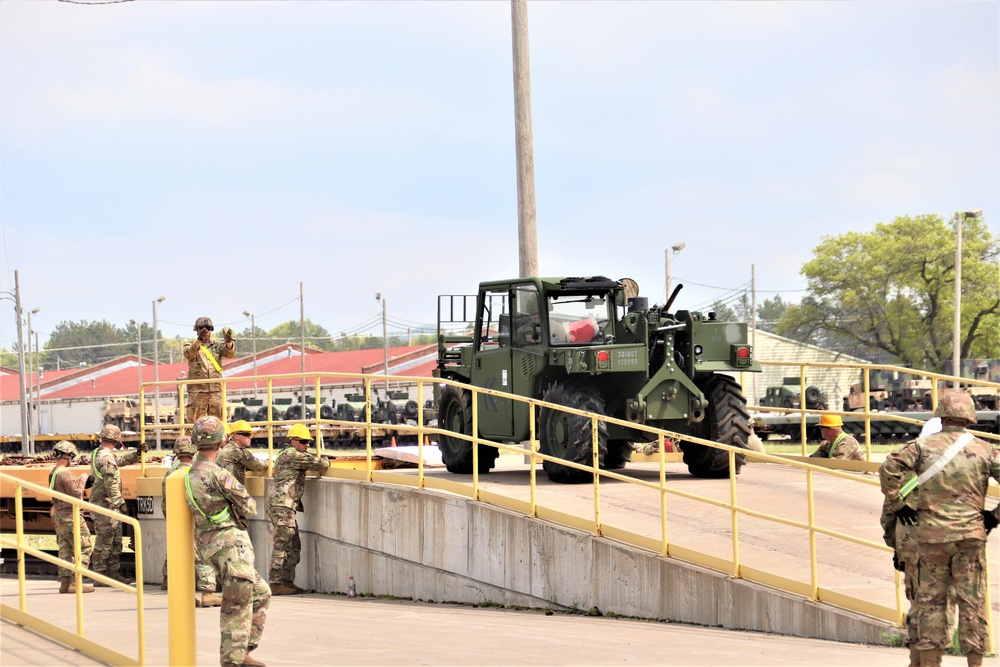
{"points": [[938, 465]]}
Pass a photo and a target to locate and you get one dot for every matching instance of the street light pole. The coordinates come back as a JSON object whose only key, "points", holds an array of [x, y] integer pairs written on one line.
{"points": [[138, 347], [20, 362], [385, 345], [32, 421], [956, 356], [253, 333], [672, 250], [156, 372]]}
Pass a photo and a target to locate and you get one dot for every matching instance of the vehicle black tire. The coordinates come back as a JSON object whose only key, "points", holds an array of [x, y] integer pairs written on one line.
{"points": [[787, 404], [568, 436], [928, 401], [847, 406], [326, 412], [455, 414], [726, 421], [619, 453], [411, 408], [813, 395]]}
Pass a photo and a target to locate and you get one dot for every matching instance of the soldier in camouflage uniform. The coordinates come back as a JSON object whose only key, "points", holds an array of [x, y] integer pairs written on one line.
{"points": [[953, 470], [107, 492], [903, 540], [184, 451], [236, 456], [284, 498], [63, 481], [204, 356], [836, 444], [221, 508]]}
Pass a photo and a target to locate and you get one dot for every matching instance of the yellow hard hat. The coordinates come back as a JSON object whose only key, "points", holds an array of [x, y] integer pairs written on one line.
{"points": [[299, 432], [831, 421], [240, 426]]}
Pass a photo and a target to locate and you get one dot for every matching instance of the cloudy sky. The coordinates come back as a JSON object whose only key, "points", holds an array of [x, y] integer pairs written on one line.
{"points": [[222, 153]]}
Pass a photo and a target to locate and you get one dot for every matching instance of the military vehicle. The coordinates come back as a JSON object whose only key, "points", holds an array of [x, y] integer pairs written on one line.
{"points": [[591, 344], [277, 410], [400, 407], [125, 413], [986, 398], [786, 395], [294, 411], [855, 399]]}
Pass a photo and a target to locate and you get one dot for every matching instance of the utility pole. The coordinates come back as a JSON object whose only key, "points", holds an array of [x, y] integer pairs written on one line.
{"points": [[156, 373], [753, 322], [527, 234], [302, 324], [32, 408], [20, 361]]}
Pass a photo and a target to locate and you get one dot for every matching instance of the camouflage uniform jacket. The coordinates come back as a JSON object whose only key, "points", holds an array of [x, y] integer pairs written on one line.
{"points": [[201, 368], [896, 534], [107, 489], [68, 483], [950, 501], [289, 478], [213, 490], [237, 460], [844, 447], [178, 465]]}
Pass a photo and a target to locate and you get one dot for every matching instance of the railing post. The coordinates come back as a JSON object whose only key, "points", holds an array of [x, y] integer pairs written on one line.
{"points": [[180, 574], [735, 514], [813, 573], [77, 573], [596, 463], [663, 494]]}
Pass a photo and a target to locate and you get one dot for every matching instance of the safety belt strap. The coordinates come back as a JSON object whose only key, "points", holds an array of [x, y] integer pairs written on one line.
{"points": [[211, 357], [93, 466], [936, 467], [215, 518], [833, 445]]}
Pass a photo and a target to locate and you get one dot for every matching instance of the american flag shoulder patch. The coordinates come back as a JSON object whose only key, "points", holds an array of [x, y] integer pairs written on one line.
{"points": [[229, 482]]}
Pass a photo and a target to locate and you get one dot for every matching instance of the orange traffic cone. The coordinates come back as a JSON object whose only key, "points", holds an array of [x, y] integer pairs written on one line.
{"points": [[427, 440], [393, 443]]}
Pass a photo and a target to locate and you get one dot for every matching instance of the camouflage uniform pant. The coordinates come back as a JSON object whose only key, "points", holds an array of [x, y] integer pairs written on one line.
{"points": [[203, 403], [961, 565], [107, 544], [910, 589], [287, 549], [204, 574], [64, 538], [245, 599]]}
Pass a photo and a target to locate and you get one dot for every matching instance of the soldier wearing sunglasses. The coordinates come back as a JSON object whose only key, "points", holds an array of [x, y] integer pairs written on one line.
{"points": [[204, 356]]}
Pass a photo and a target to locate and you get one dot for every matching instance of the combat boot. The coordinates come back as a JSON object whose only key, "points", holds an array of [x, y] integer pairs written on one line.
{"points": [[163, 584], [101, 584], [931, 658], [248, 661], [210, 600], [974, 659], [914, 656], [282, 588], [125, 580], [293, 585]]}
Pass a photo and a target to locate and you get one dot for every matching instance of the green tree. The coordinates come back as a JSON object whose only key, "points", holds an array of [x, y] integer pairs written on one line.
{"points": [[88, 342], [892, 290], [316, 336], [769, 312]]}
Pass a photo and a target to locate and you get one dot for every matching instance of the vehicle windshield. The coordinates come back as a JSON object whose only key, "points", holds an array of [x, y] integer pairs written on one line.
{"points": [[579, 319]]}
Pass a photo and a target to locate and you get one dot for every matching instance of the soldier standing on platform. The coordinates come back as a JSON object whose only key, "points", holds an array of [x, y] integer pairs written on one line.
{"points": [[284, 498], [184, 451], [236, 456], [221, 508], [204, 356], [63, 481], [107, 492], [952, 470]]}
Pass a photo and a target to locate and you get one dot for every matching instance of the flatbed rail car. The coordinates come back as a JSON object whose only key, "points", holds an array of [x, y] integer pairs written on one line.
{"points": [[885, 426]]}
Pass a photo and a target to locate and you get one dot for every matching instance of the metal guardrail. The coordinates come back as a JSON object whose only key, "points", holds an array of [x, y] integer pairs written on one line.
{"points": [[23, 617], [734, 567]]}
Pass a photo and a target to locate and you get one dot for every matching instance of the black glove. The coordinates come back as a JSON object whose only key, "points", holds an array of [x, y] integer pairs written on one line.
{"points": [[90, 481], [989, 520], [143, 447], [299, 507], [907, 515], [896, 563]]}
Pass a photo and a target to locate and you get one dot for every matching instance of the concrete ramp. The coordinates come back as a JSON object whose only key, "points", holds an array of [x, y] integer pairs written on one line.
{"points": [[433, 546]]}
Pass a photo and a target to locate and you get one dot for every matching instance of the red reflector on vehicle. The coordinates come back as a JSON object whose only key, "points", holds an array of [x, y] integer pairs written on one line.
{"points": [[604, 355], [742, 352]]}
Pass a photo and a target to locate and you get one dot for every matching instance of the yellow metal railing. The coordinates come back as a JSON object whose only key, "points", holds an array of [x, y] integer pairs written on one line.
{"points": [[867, 413], [23, 617], [733, 566]]}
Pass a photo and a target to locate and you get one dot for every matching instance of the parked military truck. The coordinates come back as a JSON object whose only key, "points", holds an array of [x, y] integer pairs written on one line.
{"points": [[787, 395], [125, 413], [591, 344]]}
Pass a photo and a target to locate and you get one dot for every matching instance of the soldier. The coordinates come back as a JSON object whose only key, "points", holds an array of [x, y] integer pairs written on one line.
{"points": [[836, 444], [284, 498], [203, 356], [184, 451], [236, 456], [107, 492], [62, 480], [952, 471], [903, 540], [221, 507]]}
